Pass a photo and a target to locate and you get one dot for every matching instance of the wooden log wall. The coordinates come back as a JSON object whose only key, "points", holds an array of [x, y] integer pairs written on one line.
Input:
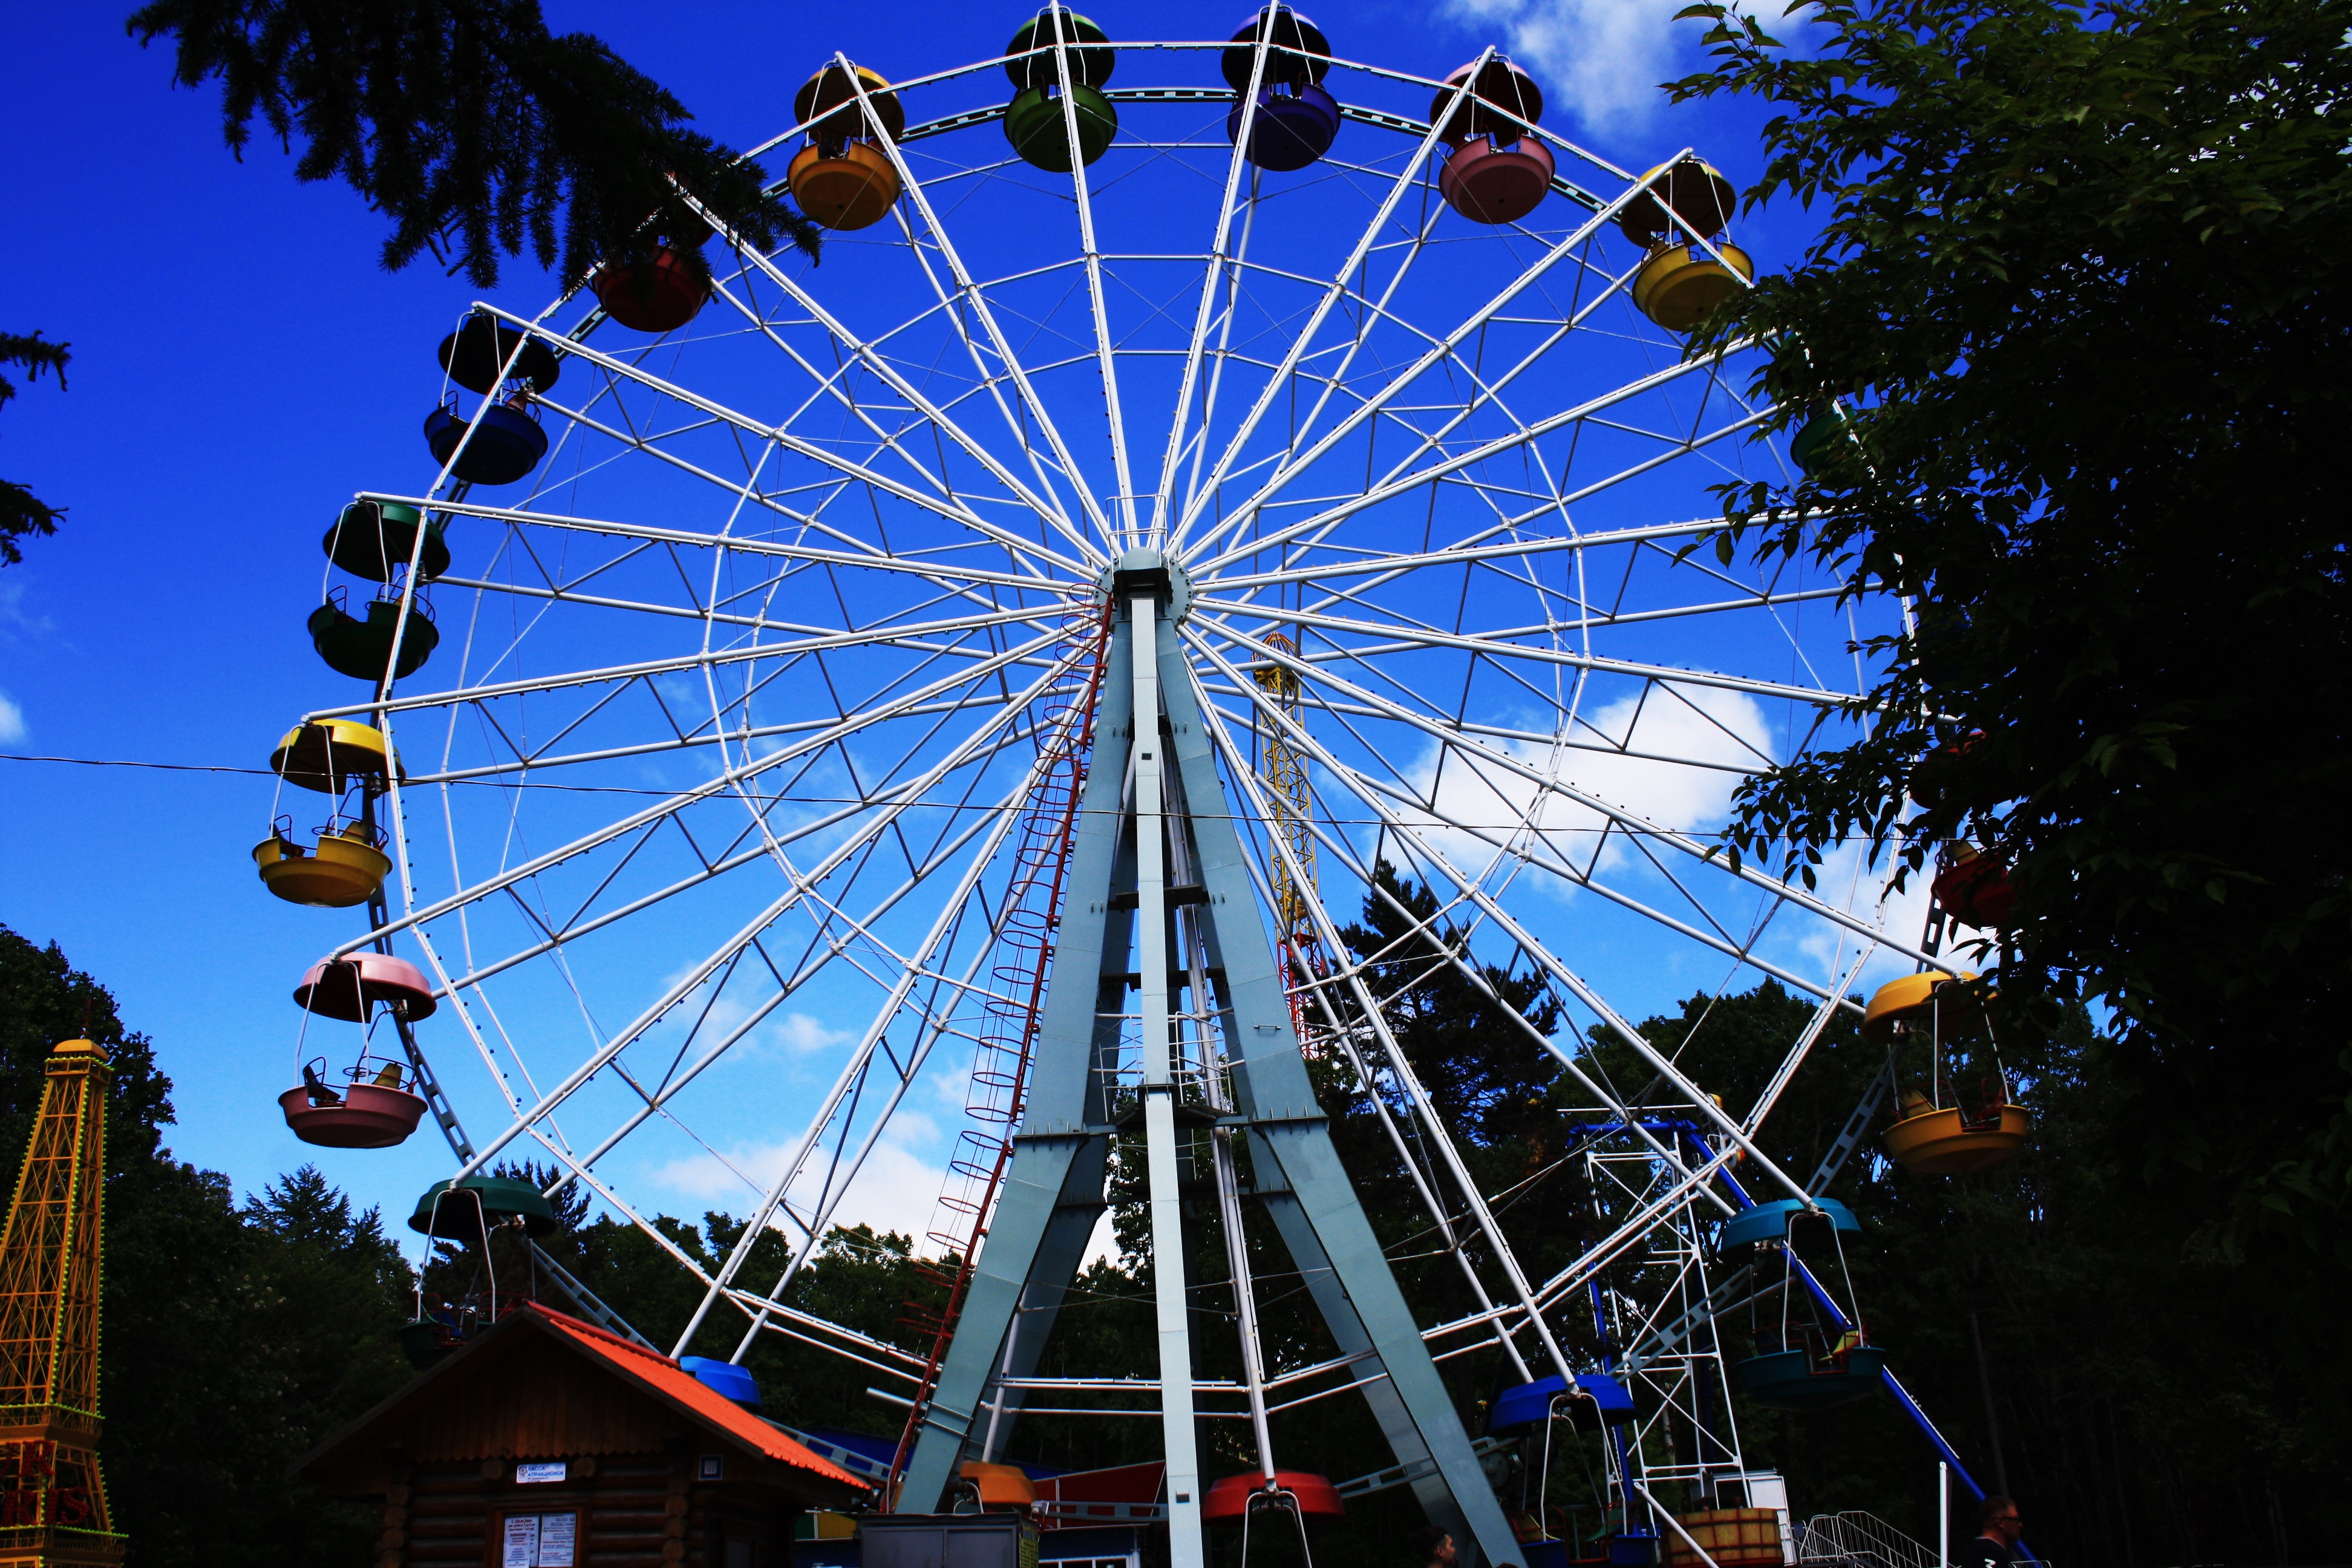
{"points": [[635, 1510]]}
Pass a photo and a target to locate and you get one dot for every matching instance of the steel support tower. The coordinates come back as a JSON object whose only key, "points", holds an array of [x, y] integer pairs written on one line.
{"points": [[52, 1499], [1165, 1010]]}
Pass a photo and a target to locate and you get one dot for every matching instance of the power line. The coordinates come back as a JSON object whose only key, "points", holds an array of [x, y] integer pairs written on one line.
{"points": [[1513, 826]]}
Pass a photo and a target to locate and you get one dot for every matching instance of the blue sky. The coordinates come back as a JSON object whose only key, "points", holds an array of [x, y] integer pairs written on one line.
{"points": [[241, 365]]}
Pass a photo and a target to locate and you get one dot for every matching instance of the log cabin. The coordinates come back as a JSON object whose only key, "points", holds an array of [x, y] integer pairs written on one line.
{"points": [[550, 1443]]}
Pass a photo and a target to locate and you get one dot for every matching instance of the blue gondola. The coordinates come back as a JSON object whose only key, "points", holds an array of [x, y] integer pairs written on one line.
{"points": [[1595, 1399], [725, 1378], [508, 444], [1292, 127], [1296, 120]]}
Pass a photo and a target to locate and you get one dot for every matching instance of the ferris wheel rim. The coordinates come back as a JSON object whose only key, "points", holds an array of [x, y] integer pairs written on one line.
{"points": [[1066, 575]]}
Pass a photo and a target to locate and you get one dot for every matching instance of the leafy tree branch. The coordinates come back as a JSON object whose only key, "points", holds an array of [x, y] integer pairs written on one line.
{"points": [[2082, 292]]}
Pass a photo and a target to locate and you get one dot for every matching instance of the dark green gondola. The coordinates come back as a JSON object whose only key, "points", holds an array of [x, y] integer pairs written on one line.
{"points": [[361, 648]]}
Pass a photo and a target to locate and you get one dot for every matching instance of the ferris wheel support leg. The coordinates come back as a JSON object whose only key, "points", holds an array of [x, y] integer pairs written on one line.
{"points": [[1048, 1179], [1060, 1253], [1291, 1142], [1380, 1391]]}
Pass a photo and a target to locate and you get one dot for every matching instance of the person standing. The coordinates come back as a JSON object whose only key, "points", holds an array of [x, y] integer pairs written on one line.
{"points": [[1998, 1529]]}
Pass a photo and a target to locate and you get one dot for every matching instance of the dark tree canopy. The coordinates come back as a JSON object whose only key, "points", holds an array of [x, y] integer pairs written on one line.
{"points": [[1484, 1072], [233, 1338], [2082, 284], [472, 127]]}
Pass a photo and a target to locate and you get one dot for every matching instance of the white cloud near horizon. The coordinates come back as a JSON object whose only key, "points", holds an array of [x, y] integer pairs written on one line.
{"points": [[896, 1189], [1600, 61], [12, 719]]}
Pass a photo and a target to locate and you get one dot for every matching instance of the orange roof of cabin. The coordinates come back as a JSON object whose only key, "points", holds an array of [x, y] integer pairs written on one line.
{"points": [[350, 1462], [681, 1386]]}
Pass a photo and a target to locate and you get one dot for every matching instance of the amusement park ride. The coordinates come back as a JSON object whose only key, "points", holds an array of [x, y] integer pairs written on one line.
{"points": [[1025, 631], [53, 1507]]}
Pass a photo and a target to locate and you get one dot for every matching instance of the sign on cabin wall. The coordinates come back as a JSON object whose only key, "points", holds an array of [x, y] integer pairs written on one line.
{"points": [[541, 1540]]}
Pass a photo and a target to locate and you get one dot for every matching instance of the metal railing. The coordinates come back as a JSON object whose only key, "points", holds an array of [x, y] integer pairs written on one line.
{"points": [[1862, 1541]]}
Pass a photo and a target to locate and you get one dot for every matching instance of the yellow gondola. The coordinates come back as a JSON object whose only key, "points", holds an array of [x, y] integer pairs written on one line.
{"points": [[346, 869], [331, 754], [1934, 1139], [1680, 285], [840, 178]]}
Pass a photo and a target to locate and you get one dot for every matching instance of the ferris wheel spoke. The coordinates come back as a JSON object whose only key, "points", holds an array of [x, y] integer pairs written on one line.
{"points": [[813, 827], [822, 948], [879, 366], [726, 780], [940, 572], [1375, 562], [1406, 802], [1389, 490], [1503, 762], [1440, 351], [538, 761], [969, 294], [1335, 289], [1219, 268], [1407, 831], [949, 507], [1090, 251], [705, 659], [1502, 652], [1611, 1102], [926, 955], [700, 973], [1369, 1008]]}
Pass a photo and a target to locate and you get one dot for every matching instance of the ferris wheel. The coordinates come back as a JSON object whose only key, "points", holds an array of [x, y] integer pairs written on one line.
{"points": [[939, 707]]}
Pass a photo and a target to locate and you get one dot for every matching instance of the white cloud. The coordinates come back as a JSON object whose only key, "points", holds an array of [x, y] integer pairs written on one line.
{"points": [[801, 1035], [1844, 880], [12, 719], [795, 1034], [1602, 61], [896, 1189], [1694, 725]]}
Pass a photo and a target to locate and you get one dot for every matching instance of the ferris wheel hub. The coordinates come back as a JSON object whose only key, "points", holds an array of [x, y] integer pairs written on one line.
{"points": [[1149, 572]]}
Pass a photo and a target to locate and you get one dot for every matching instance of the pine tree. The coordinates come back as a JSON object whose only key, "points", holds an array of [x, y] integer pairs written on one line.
{"points": [[22, 512], [477, 131]]}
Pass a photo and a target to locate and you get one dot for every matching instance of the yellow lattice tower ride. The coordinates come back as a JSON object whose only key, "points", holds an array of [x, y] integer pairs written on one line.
{"points": [[52, 1502], [1282, 766]]}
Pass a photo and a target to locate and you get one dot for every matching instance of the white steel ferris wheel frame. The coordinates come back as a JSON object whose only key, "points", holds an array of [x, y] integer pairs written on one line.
{"points": [[997, 502]]}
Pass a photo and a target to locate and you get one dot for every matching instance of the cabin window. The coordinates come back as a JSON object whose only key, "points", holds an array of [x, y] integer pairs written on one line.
{"points": [[541, 1540]]}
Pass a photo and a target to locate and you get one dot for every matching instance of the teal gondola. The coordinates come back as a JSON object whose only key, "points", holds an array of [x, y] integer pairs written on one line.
{"points": [[1814, 1351]]}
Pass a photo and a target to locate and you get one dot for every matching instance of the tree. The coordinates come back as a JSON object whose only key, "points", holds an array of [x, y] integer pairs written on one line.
{"points": [[21, 511], [472, 127], [1484, 1074], [2040, 1313], [2081, 286], [233, 1339]]}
